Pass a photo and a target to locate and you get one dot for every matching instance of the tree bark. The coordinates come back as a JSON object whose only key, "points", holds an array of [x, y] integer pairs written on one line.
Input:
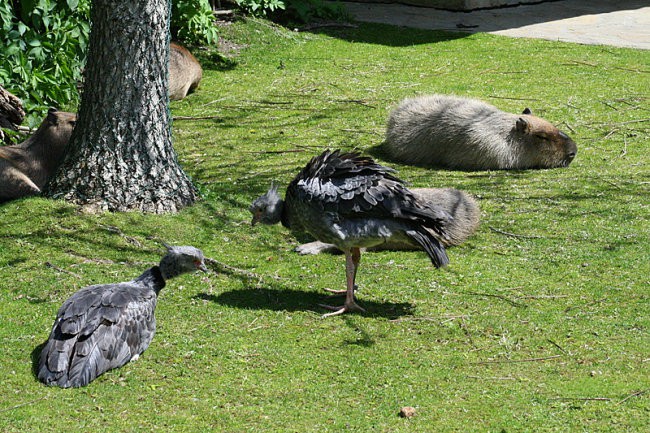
{"points": [[120, 155], [11, 113]]}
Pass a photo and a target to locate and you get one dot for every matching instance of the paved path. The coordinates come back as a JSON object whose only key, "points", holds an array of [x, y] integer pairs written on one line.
{"points": [[621, 23]]}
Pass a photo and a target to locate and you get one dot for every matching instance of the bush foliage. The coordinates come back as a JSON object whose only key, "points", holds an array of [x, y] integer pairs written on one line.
{"points": [[260, 7], [43, 47], [293, 11], [192, 22]]}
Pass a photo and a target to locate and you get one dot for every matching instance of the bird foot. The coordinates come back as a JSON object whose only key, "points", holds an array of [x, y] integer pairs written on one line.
{"points": [[346, 308]]}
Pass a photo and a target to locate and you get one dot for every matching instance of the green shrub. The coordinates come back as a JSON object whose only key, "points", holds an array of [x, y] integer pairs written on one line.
{"points": [[192, 22], [260, 7], [294, 11], [306, 11], [42, 51]]}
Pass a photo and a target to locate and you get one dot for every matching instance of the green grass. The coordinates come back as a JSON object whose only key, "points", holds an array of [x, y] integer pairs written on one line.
{"points": [[540, 323]]}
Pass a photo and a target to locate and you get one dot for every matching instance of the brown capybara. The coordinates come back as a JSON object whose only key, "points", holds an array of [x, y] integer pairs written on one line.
{"points": [[185, 72], [26, 167], [463, 209], [468, 134]]}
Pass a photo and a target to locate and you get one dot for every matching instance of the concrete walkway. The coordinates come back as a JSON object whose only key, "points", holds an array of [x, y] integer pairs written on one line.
{"points": [[621, 23]]}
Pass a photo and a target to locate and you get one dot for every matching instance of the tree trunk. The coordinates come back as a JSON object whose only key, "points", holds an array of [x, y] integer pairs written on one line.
{"points": [[120, 155], [11, 113]]}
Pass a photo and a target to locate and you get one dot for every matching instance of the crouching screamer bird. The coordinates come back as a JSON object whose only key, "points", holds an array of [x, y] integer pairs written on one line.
{"points": [[104, 326], [349, 200]]}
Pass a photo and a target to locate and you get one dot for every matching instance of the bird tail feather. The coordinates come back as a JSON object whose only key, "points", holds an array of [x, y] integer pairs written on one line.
{"points": [[431, 245]]}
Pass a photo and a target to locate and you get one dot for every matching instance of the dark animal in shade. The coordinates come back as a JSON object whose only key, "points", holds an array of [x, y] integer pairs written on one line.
{"points": [[349, 200], [104, 326]]}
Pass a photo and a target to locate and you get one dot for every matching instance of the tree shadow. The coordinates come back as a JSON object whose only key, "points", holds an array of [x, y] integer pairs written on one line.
{"points": [[379, 152], [299, 300], [215, 61], [388, 35], [430, 25]]}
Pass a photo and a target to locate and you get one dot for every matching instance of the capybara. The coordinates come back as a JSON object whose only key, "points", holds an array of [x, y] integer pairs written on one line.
{"points": [[463, 209], [26, 167], [185, 72], [463, 133]]}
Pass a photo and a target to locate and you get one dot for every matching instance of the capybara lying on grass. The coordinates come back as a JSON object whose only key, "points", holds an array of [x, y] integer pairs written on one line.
{"points": [[463, 133], [463, 209], [26, 167]]}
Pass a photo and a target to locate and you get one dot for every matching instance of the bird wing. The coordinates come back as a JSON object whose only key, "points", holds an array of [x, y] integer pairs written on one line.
{"points": [[355, 186], [98, 328]]}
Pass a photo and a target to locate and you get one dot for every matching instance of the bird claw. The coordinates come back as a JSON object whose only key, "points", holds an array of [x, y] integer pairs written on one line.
{"points": [[346, 308]]}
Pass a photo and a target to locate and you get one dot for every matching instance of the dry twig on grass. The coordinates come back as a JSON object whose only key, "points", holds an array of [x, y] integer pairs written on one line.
{"points": [[514, 235], [508, 361]]}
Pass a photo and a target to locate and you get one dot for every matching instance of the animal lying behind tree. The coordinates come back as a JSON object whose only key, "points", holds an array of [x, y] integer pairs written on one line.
{"points": [[26, 167], [463, 209], [185, 72], [463, 133]]}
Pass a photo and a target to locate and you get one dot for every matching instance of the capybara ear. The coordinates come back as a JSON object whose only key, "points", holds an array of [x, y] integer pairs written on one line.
{"points": [[527, 111], [523, 126], [51, 116]]}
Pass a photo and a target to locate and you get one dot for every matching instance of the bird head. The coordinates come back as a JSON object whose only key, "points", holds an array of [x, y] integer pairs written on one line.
{"points": [[267, 209], [180, 260]]}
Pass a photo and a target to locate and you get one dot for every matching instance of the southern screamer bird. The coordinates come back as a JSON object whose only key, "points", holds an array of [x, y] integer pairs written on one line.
{"points": [[349, 200]]}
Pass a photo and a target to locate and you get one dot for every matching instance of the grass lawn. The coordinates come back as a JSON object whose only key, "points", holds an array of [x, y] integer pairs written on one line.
{"points": [[540, 322]]}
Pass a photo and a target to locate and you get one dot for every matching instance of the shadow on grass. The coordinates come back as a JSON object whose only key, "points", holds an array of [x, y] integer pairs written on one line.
{"points": [[389, 35], [460, 24], [298, 300], [35, 356]]}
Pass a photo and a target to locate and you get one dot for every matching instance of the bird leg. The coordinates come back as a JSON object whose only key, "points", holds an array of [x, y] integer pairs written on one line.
{"points": [[352, 258], [356, 257]]}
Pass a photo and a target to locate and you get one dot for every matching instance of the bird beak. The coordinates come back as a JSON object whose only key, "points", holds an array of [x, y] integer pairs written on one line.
{"points": [[200, 265]]}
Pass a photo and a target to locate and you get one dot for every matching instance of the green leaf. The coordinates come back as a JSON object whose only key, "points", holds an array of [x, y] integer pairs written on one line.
{"points": [[22, 28]]}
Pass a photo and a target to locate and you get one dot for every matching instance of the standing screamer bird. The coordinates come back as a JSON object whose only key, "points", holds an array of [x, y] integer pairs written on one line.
{"points": [[352, 202], [104, 326]]}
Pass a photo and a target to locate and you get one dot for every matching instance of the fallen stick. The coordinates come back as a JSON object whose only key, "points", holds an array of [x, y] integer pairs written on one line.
{"points": [[505, 361]]}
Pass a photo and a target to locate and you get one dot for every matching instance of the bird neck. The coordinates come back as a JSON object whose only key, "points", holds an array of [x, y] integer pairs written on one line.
{"points": [[153, 278], [170, 267]]}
